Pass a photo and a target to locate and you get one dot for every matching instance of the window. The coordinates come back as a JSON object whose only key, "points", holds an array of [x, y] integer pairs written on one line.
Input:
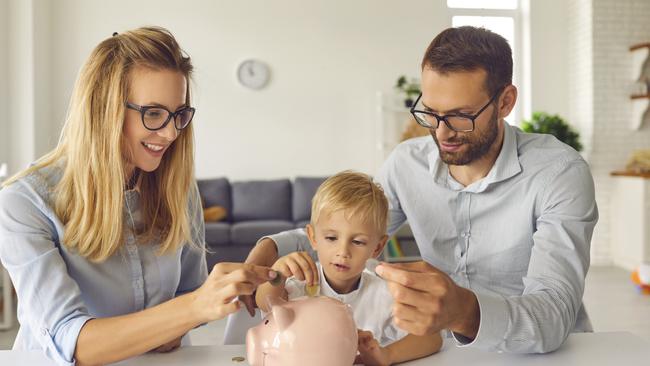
{"points": [[501, 17]]}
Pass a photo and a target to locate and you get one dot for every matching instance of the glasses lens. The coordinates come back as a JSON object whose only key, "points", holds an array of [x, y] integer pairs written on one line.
{"points": [[425, 119], [154, 118], [459, 123], [184, 117]]}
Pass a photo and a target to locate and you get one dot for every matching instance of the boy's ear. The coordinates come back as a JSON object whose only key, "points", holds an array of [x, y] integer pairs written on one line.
{"points": [[380, 246], [311, 235]]}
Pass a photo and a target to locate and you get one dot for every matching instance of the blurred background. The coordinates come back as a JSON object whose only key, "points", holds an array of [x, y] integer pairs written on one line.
{"points": [[330, 101]]}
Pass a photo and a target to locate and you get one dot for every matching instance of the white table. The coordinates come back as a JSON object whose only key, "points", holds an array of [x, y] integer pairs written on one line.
{"points": [[588, 349]]}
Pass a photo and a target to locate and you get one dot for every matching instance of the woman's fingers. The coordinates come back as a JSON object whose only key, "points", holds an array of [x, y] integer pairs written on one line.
{"points": [[244, 272]]}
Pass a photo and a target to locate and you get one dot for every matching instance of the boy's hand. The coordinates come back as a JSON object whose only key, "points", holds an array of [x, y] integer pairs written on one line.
{"points": [[299, 265], [370, 352]]}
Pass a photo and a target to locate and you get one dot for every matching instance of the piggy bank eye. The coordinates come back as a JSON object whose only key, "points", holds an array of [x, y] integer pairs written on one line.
{"points": [[266, 322]]}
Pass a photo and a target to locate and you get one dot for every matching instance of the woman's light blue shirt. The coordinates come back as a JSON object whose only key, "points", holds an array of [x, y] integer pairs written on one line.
{"points": [[58, 290]]}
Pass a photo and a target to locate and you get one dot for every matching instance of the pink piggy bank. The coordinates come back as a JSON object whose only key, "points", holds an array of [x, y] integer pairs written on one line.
{"points": [[318, 331]]}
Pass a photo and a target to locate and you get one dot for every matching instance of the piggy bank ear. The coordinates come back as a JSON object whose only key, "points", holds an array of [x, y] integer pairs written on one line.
{"points": [[272, 301], [283, 316]]}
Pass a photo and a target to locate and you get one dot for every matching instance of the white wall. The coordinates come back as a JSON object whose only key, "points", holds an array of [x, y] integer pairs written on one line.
{"points": [[548, 54], [20, 81], [328, 59], [4, 125], [601, 73]]}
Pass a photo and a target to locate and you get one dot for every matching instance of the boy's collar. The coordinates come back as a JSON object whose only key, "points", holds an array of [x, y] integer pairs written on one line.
{"points": [[327, 290]]}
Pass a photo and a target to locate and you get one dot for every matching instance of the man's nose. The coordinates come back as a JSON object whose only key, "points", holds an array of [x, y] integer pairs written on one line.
{"points": [[443, 132]]}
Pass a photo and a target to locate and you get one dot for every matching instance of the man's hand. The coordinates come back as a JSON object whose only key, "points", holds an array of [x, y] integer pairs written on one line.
{"points": [[370, 352], [427, 300]]}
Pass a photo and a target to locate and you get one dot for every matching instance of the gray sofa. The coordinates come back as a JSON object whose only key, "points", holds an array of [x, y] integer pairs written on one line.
{"points": [[254, 209]]}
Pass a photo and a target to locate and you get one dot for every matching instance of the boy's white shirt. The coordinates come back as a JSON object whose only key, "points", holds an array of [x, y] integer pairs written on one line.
{"points": [[371, 302]]}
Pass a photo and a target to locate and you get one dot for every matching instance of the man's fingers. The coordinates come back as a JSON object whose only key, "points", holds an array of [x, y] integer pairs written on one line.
{"points": [[418, 266], [423, 281], [408, 313], [409, 296], [415, 328]]}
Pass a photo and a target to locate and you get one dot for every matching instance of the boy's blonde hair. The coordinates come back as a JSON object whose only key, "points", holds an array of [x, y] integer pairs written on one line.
{"points": [[89, 198], [355, 193]]}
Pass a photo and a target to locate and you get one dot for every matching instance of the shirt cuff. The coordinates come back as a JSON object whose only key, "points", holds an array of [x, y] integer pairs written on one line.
{"points": [[492, 326], [60, 347]]}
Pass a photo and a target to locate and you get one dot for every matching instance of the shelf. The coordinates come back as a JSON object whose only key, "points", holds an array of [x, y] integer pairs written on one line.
{"points": [[640, 96], [639, 46], [629, 174]]}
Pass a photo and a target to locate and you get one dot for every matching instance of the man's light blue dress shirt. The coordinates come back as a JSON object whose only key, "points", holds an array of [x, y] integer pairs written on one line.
{"points": [[519, 238]]}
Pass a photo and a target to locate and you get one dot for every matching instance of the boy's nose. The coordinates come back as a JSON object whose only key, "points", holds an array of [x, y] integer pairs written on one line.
{"points": [[343, 251]]}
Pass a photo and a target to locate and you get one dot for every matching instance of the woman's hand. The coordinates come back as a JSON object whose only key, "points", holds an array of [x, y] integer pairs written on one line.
{"points": [[299, 265], [169, 346], [217, 297], [370, 352]]}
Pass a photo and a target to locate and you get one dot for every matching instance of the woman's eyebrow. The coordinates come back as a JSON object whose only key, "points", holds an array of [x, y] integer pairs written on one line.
{"points": [[156, 104]]}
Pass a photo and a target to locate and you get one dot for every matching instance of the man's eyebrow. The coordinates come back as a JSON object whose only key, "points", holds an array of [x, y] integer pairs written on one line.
{"points": [[455, 110]]}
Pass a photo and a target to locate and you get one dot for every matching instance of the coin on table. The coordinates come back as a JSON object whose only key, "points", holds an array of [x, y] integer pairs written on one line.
{"points": [[238, 359], [312, 290]]}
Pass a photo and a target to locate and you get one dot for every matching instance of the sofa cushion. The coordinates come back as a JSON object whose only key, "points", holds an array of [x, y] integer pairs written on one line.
{"points": [[216, 192], [303, 191], [217, 233], [301, 224], [249, 232], [261, 200]]}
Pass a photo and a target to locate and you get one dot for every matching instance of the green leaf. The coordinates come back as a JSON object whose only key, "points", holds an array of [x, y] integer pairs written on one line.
{"points": [[553, 124]]}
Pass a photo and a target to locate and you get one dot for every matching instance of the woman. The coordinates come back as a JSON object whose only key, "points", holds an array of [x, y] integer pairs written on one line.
{"points": [[103, 237]]}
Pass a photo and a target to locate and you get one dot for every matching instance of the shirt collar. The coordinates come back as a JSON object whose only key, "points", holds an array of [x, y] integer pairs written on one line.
{"points": [[506, 166], [327, 290]]}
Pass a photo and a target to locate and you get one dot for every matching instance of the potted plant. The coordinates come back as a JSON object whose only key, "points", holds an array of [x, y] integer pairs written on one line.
{"points": [[554, 125], [410, 90]]}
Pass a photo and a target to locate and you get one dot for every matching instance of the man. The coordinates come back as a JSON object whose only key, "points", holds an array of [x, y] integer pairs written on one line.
{"points": [[503, 219]]}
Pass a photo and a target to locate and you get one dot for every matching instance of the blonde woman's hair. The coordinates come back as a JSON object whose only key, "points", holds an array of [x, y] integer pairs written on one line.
{"points": [[356, 194], [89, 198]]}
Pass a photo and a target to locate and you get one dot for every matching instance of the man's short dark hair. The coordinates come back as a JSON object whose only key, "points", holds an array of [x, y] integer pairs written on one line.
{"points": [[468, 49]]}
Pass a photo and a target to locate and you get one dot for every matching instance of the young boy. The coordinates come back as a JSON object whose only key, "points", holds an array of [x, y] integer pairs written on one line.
{"points": [[348, 226]]}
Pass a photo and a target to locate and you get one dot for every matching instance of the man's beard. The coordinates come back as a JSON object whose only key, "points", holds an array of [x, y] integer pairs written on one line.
{"points": [[478, 144]]}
